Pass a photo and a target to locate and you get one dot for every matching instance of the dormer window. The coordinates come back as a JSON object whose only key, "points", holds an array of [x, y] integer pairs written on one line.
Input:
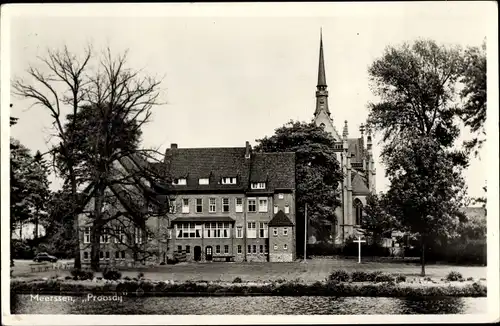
{"points": [[203, 181], [228, 181], [180, 182], [258, 185]]}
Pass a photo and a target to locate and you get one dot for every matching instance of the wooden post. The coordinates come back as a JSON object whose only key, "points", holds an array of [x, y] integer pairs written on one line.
{"points": [[305, 233]]}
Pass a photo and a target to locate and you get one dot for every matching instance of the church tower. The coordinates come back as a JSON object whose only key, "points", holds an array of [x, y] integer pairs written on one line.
{"points": [[322, 113]]}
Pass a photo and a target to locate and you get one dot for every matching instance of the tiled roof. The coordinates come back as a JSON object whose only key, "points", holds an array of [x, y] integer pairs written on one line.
{"points": [[355, 146], [203, 219], [359, 183], [215, 163], [280, 219]]}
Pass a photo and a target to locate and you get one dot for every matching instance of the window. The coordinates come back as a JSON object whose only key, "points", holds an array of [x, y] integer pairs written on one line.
{"points": [[217, 249], [261, 249], [275, 209], [180, 182], [287, 209], [228, 181], [265, 248], [251, 230], [285, 231], [188, 230], [120, 235], [226, 249], [225, 205], [258, 185], [199, 205], [105, 236], [275, 247], [123, 254], [107, 255], [263, 230], [151, 208], [179, 248], [263, 205], [117, 255], [188, 249], [285, 246], [252, 207], [239, 232], [239, 249], [185, 205], [203, 181], [358, 211], [138, 235], [86, 235], [281, 196], [101, 255], [275, 231], [254, 247], [85, 255], [217, 230], [171, 206], [249, 249], [238, 205], [211, 205]]}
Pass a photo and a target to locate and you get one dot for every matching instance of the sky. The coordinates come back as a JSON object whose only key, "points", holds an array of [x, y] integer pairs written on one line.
{"points": [[238, 74]]}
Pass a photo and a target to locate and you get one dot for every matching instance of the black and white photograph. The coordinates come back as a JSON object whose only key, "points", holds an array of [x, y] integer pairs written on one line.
{"points": [[215, 163]]}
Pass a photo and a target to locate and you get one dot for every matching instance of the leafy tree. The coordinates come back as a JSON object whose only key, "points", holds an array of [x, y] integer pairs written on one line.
{"points": [[426, 191], [473, 112], [376, 222], [317, 173], [417, 86], [40, 191]]}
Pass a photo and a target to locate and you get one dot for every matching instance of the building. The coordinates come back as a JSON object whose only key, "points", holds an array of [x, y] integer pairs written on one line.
{"points": [[232, 204], [356, 160], [228, 204]]}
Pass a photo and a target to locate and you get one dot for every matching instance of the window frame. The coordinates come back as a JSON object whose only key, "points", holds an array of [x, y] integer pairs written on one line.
{"points": [[185, 207], [226, 206], [214, 205], [263, 209], [199, 205], [238, 208], [254, 205], [204, 181]]}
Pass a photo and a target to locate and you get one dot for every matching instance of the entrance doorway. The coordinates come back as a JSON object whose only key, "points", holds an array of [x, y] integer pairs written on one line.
{"points": [[197, 253], [208, 253]]}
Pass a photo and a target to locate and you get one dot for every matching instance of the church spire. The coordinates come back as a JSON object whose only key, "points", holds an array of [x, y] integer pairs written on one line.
{"points": [[321, 92], [321, 67]]}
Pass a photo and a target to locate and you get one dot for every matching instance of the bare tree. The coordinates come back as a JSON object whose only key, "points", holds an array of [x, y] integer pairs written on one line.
{"points": [[59, 86]]}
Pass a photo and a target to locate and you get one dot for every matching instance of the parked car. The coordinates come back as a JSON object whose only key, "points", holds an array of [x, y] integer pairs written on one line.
{"points": [[43, 256]]}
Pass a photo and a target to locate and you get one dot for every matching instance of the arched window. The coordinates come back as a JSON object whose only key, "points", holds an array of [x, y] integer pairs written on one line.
{"points": [[358, 211]]}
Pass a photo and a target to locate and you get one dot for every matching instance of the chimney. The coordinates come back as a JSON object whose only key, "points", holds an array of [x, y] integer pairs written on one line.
{"points": [[173, 146], [248, 149]]}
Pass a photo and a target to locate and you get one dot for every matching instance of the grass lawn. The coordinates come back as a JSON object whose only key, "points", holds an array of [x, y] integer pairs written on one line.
{"points": [[314, 270]]}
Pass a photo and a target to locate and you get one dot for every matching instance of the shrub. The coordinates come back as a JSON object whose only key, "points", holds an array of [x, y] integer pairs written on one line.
{"points": [[338, 276], [359, 276], [140, 275], [111, 274], [384, 278], [237, 280], [428, 279], [68, 277], [79, 274], [99, 278], [127, 278], [373, 275], [172, 261], [454, 276], [401, 278], [162, 263], [470, 279]]}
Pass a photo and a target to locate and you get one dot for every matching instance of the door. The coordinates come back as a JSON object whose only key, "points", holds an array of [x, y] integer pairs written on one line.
{"points": [[197, 253], [208, 253]]}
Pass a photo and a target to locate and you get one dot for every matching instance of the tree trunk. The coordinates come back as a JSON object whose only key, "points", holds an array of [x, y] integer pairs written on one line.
{"points": [[96, 228], [422, 260], [35, 235]]}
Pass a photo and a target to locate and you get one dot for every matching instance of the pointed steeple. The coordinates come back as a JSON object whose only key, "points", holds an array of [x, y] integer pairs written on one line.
{"points": [[321, 67], [321, 92]]}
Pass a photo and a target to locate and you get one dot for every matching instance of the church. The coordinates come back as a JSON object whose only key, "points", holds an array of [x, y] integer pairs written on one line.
{"points": [[356, 160]]}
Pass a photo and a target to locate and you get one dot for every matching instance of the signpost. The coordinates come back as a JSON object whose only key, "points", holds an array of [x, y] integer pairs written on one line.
{"points": [[359, 241]]}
